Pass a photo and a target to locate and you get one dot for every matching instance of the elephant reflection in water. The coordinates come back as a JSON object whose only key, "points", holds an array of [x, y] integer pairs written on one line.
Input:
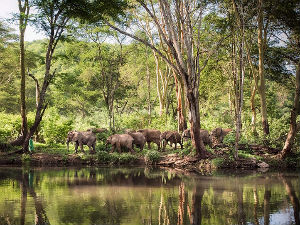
{"points": [[26, 185]]}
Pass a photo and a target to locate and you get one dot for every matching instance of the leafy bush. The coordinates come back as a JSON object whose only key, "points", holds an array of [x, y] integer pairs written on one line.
{"points": [[103, 157], [218, 162], [10, 126], [127, 158], [55, 128], [152, 157], [229, 139]]}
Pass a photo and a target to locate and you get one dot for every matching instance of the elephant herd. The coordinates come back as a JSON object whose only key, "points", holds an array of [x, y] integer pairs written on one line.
{"points": [[139, 138]]}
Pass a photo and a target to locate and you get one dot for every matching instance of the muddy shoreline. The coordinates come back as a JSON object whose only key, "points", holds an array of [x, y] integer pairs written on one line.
{"points": [[171, 161]]}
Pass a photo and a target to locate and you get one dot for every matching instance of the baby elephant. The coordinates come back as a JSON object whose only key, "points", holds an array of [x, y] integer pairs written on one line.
{"points": [[139, 139], [120, 140], [81, 138], [171, 136]]}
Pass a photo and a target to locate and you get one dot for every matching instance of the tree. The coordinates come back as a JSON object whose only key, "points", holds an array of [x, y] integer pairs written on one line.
{"points": [[176, 22], [262, 37], [23, 20], [287, 16], [53, 18]]}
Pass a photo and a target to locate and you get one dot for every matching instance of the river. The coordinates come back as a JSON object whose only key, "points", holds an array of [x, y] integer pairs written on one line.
{"points": [[143, 196]]}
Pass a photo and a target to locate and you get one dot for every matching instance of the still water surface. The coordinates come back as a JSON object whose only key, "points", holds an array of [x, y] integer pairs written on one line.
{"points": [[146, 196]]}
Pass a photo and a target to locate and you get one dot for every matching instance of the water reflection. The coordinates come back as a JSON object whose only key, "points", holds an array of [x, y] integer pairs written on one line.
{"points": [[143, 196]]}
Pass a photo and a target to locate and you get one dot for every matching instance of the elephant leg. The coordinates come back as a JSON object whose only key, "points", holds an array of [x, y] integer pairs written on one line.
{"points": [[81, 146], [131, 149], [76, 146], [158, 146], [149, 147], [119, 147], [94, 148], [164, 144], [175, 145], [112, 148]]}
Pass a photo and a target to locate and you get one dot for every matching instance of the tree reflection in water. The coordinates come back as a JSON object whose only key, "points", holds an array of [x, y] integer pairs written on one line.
{"points": [[136, 196]]}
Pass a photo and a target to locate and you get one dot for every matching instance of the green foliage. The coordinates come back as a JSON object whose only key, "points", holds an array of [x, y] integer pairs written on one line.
{"points": [[104, 157], [152, 157], [10, 126], [55, 128], [218, 162], [229, 139], [26, 158], [60, 149]]}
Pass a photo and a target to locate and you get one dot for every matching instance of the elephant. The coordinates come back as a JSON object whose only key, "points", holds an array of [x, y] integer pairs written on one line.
{"points": [[139, 139], [218, 134], [128, 130], [151, 136], [170, 136], [206, 138], [120, 140], [81, 138], [97, 130]]}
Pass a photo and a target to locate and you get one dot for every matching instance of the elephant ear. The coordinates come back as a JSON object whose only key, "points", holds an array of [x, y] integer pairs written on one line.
{"points": [[76, 136], [218, 132]]}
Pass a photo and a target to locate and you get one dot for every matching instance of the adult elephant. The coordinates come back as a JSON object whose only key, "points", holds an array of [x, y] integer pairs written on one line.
{"points": [[120, 140], [173, 137], [81, 138], [218, 134], [206, 137], [139, 139], [151, 135]]}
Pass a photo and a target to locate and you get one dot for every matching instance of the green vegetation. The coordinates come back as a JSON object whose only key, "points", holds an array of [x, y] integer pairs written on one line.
{"points": [[152, 157]]}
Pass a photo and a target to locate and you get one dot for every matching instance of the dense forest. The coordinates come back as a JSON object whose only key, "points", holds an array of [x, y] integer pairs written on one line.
{"points": [[166, 65]]}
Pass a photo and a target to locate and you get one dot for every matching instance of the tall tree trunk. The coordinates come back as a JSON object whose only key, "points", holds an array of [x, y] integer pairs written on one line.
{"points": [[293, 119], [262, 81], [23, 17], [239, 76], [253, 91], [194, 119], [181, 109], [149, 91]]}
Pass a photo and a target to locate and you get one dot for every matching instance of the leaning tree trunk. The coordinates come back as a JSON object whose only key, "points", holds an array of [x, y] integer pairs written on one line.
{"points": [[194, 118], [293, 119]]}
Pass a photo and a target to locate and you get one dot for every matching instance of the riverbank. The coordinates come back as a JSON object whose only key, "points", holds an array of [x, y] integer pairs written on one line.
{"points": [[249, 158]]}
